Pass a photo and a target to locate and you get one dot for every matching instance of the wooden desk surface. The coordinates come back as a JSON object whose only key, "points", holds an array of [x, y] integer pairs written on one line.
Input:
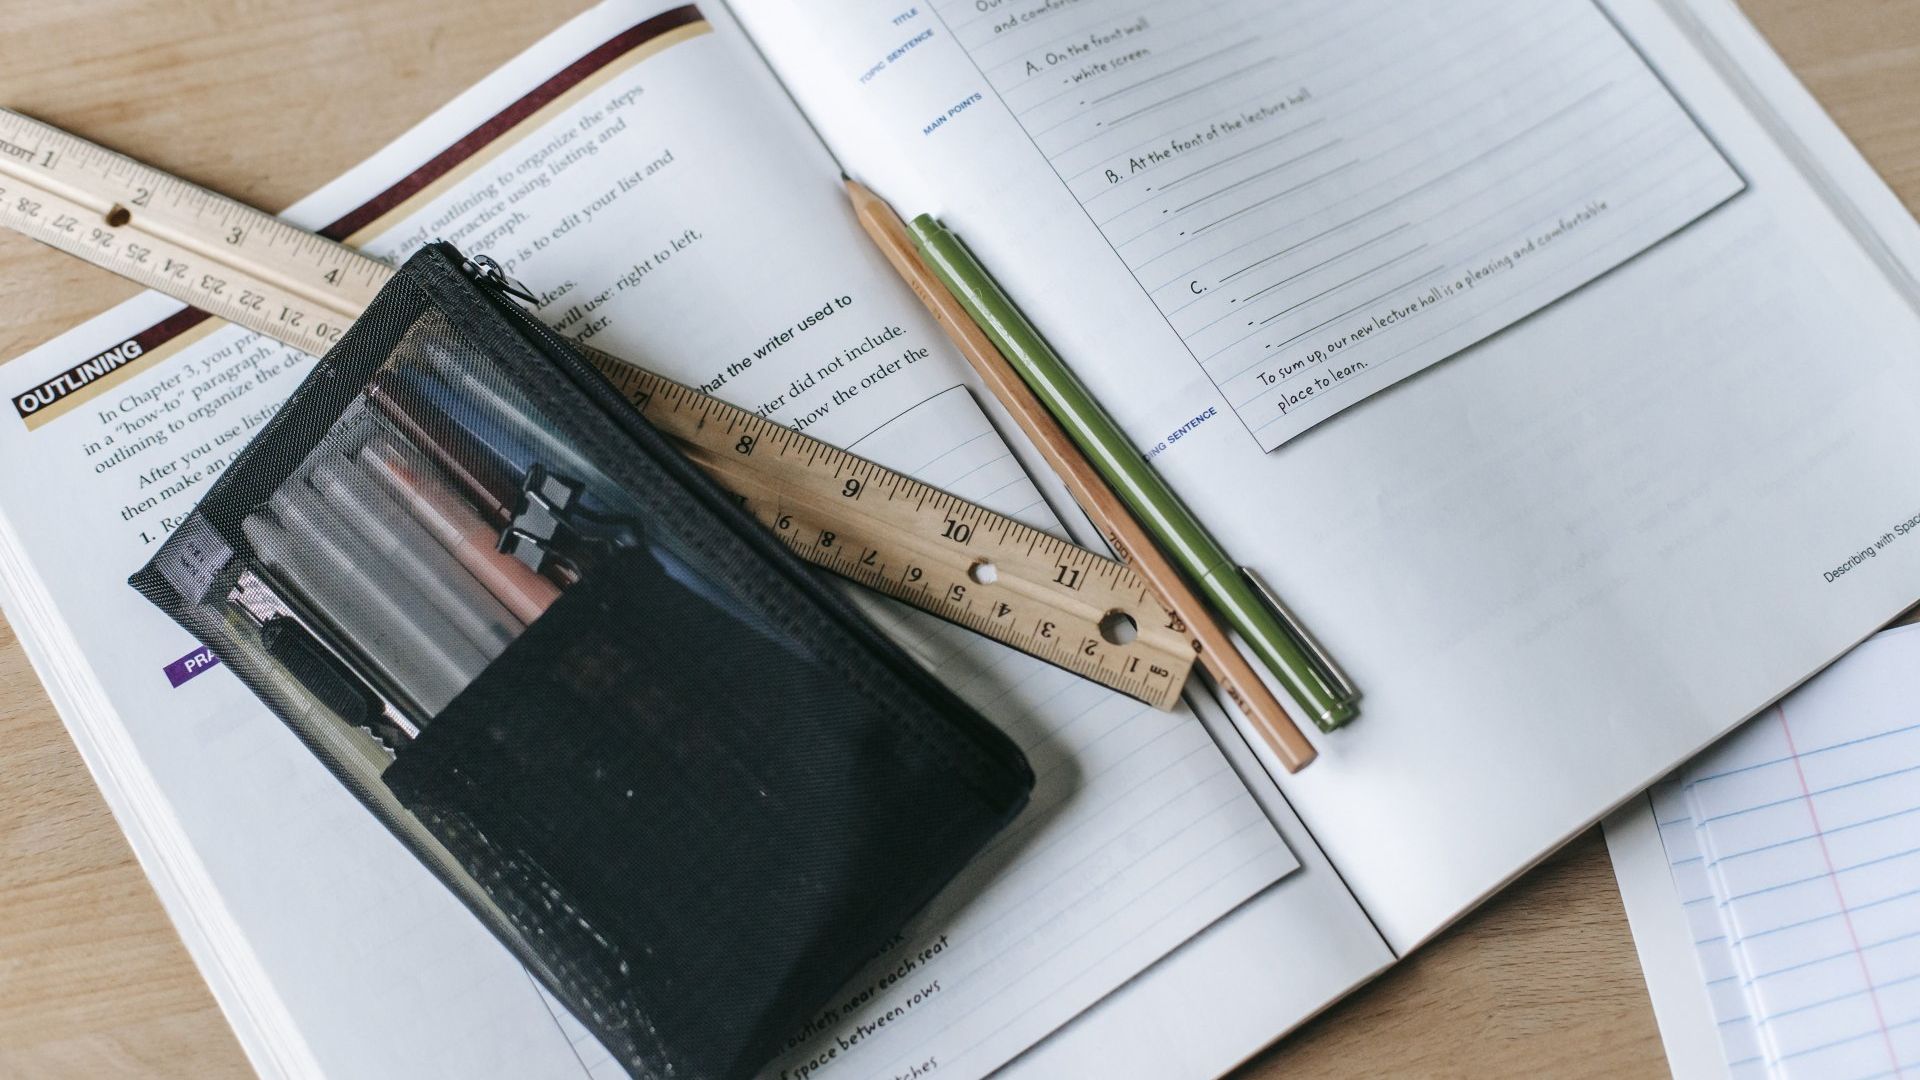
{"points": [[266, 101]]}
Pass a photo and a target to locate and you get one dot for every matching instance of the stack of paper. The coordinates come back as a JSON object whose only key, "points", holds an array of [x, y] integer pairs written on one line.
{"points": [[1794, 854]]}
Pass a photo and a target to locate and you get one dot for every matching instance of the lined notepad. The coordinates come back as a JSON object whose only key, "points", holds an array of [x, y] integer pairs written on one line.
{"points": [[1794, 848], [1809, 820], [1734, 1026]]}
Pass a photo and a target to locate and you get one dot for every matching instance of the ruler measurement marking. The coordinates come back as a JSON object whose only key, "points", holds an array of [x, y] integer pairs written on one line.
{"points": [[210, 251]]}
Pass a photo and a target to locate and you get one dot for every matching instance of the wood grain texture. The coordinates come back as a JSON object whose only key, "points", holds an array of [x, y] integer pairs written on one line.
{"points": [[266, 100]]}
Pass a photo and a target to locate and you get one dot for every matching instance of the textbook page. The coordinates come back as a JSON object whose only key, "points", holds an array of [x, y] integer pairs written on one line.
{"points": [[1563, 559], [641, 171], [1227, 991]]}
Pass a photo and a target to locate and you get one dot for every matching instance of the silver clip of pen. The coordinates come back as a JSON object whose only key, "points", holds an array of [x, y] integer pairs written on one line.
{"points": [[1299, 632]]}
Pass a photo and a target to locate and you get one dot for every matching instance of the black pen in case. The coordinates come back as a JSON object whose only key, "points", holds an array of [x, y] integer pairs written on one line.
{"points": [[285, 635], [388, 621]]}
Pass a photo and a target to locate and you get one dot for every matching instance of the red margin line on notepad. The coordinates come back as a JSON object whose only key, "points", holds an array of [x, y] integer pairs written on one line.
{"points": [[1820, 835]]}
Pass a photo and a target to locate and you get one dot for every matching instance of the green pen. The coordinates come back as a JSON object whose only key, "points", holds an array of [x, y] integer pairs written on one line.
{"points": [[1292, 655]]}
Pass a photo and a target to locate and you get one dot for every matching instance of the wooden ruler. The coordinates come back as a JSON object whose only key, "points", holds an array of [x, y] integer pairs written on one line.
{"points": [[941, 554]]}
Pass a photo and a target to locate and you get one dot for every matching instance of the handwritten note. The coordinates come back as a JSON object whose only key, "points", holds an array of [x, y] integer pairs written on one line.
{"points": [[1324, 198]]}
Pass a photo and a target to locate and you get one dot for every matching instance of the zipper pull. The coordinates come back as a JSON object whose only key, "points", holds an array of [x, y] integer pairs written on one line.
{"points": [[484, 270]]}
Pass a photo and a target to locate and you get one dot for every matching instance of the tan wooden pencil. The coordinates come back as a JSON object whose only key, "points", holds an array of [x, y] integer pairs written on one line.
{"points": [[1214, 650]]}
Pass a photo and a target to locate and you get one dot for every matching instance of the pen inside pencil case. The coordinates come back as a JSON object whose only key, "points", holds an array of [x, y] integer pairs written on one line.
{"points": [[494, 432], [483, 477], [405, 610], [385, 620], [438, 517], [503, 420], [340, 658], [314, 673], [389, 535], [544, 495], [500, 418], [404, 546], [457, 524]]}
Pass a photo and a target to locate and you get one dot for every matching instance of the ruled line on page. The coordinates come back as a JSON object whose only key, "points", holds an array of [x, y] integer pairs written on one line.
{"points": [[1808, 819], [1183, 153]]}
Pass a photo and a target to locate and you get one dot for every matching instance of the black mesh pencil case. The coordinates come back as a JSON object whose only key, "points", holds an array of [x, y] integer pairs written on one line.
{"points": [[686, 783]]}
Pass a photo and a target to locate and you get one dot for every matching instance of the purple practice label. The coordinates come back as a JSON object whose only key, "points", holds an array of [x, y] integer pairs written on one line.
{"points": [[190, 665]]}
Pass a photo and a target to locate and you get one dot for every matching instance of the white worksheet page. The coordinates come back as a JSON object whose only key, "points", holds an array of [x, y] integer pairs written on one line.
{"points": [[1323, 198], [1569, 556]]}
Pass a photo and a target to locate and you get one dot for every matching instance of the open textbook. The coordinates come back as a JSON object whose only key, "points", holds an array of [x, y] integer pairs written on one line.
{"points": [[1553, 361]]}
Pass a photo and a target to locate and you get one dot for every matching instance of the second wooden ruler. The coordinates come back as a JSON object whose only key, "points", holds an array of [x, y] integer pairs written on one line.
{"points": [[939, 553]]}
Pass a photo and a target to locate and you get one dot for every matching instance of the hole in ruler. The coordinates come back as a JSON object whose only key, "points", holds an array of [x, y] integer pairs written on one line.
{"points": [[1119, 628], [983, 572], [119, 215]]}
